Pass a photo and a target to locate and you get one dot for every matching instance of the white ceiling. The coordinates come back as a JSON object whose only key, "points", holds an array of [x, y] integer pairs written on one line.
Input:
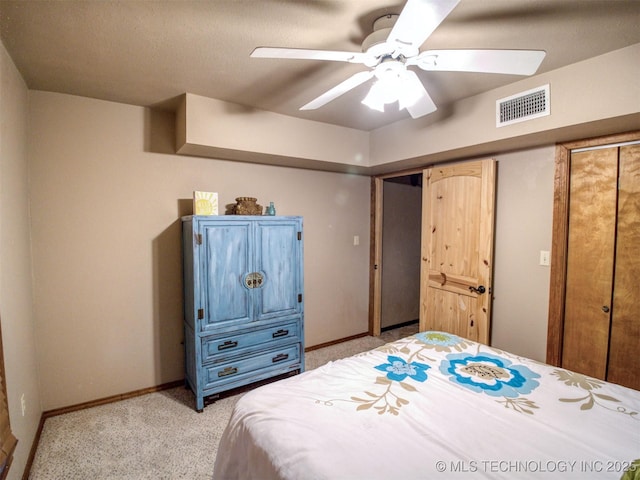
{"points": [[148, 53]]}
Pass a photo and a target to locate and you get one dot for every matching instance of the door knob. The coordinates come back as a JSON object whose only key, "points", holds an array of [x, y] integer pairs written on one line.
{"points": [[605, 309], [480, 290]]}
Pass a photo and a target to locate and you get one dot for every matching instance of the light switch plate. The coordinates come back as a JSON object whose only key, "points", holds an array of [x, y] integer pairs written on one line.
{"points": [[545, 258]]}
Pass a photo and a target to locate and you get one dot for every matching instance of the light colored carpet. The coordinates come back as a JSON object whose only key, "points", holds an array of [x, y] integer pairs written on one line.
{"points": [[154, 436]]}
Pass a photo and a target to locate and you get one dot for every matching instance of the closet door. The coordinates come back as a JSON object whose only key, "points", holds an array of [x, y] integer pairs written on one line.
{"points": [[601, 330], [590, 255], [624, 358], [594, 299]]}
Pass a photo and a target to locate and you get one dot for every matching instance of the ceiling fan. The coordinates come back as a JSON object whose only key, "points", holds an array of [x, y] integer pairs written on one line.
{"points": [[394, 46]]}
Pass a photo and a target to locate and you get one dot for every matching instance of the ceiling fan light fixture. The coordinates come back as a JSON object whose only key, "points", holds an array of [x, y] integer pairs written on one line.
{"points": [[373, 104], [408, 96], [392, 85], [375, 99], [384, 92], [411, 90]]}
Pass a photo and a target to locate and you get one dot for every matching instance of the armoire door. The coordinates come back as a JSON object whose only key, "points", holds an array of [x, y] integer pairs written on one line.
{"points": [[457, 249], [601, 330], [228, 257], [278, 260]]}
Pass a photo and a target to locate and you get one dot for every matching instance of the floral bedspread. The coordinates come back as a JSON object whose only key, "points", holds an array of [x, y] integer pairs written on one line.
{"points": [[433, 405]]}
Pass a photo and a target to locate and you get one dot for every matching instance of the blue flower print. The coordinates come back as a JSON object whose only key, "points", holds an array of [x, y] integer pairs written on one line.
{"points": [[397, 369], [441, 341], [493, 375], [438, 338]]}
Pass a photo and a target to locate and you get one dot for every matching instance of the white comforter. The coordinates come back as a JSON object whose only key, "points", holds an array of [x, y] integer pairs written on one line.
{"points": [[432, 406]]}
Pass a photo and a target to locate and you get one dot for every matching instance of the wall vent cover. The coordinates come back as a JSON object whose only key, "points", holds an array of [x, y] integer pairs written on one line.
{"points": [[523, 106]]}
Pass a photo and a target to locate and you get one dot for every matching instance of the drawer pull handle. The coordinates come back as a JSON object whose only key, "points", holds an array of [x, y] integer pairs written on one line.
{"points": [[228, 344], [228, 371], [280, 357], [280, 333]]}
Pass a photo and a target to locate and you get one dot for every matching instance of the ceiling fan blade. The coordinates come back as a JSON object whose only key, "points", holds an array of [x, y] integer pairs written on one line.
{"points": [[307, 54], [418, 20], [340, 89], [423, 105], [514, 62]]}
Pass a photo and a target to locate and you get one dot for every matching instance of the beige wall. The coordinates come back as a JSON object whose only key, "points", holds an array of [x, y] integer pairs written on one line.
{"points": [[16, 299], [597, 96], [524, 212], [106, 243], [211, 128]]}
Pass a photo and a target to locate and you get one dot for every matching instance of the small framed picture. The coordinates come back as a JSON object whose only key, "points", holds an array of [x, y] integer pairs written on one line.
{"points": [[205, 203]]}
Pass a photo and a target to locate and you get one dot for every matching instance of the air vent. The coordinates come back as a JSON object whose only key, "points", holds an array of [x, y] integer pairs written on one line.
{"points": [[523, 106]]}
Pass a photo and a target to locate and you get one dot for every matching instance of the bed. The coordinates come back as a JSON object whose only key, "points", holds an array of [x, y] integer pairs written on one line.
{"points": [[432, 406]]}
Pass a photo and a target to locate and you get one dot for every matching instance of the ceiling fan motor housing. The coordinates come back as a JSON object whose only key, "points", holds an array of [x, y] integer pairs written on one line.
{"points": [[376, 43]]}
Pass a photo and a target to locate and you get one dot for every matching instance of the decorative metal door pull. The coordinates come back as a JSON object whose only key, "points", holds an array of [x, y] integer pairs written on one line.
{"points": [[254, 280]]}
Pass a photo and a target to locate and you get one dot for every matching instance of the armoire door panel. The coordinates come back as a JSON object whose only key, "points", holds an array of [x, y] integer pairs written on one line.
{"points": [[624, 357], [590, 261], [457, 249], [227, 260], [277, 259]]}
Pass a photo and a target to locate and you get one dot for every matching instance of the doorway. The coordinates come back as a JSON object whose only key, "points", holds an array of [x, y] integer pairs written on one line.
{"points": [[397, 223], [454, 248]]}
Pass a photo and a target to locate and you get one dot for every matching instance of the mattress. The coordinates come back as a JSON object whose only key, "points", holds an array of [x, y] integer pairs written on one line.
{"points": [[433, 406]]}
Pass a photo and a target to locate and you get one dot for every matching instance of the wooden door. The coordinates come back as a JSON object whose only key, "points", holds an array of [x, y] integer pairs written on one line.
{"points": [[457, 249], [590, 254], [624, 359]]}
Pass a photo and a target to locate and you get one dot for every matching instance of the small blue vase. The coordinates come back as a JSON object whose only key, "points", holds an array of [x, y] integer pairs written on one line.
{"points": [[271, 210]]}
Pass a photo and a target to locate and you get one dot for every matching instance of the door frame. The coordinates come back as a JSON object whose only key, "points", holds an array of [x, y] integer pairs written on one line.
{"points": [[375, 246], [560, 236]]}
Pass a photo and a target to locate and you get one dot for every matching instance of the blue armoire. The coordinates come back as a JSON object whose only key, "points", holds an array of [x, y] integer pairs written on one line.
{"points": [[243, 309]]}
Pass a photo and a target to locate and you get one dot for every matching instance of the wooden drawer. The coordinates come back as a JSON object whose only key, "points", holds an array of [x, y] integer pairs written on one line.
{"points": [[249, 369], [220, 349]]}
